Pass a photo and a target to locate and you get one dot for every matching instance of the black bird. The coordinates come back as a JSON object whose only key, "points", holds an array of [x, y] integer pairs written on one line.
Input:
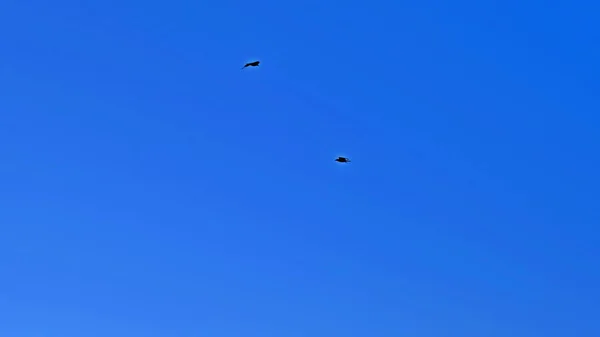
{"points": [[251, 64], [342, 160]]}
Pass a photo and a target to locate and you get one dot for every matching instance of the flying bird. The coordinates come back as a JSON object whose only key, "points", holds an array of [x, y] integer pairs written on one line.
{"points": [[251, 64], [342, 160]]}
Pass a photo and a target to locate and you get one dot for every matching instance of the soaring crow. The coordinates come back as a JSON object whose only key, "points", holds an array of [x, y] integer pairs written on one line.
{"points": [[251, 64], [342, 160]]}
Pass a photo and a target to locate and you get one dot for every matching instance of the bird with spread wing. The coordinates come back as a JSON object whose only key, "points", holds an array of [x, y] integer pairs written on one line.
{"points": [[251, 64]]}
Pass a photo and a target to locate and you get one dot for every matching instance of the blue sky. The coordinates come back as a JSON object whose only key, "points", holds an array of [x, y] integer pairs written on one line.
{"points": [[150, 188]]}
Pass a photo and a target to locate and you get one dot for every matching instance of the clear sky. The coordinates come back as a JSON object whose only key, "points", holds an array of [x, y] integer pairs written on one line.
{"points": [[150, 188]]}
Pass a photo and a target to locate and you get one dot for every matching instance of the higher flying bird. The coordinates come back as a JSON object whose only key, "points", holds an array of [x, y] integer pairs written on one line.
{"points": [[342, 160]]}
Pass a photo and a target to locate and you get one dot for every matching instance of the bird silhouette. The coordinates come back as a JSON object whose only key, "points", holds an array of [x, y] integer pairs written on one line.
{"points": [[342, 160], [251, 64]]}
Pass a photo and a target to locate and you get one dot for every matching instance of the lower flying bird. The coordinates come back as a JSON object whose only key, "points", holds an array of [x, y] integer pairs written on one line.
{"points": [[342, 160], [251, 64]]}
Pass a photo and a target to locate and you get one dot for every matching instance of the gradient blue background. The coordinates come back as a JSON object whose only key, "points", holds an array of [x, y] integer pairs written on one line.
{"points": [[148, 187]]}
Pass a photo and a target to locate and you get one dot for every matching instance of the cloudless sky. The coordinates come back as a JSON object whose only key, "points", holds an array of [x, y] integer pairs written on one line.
{"points": [[150, 188]]}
